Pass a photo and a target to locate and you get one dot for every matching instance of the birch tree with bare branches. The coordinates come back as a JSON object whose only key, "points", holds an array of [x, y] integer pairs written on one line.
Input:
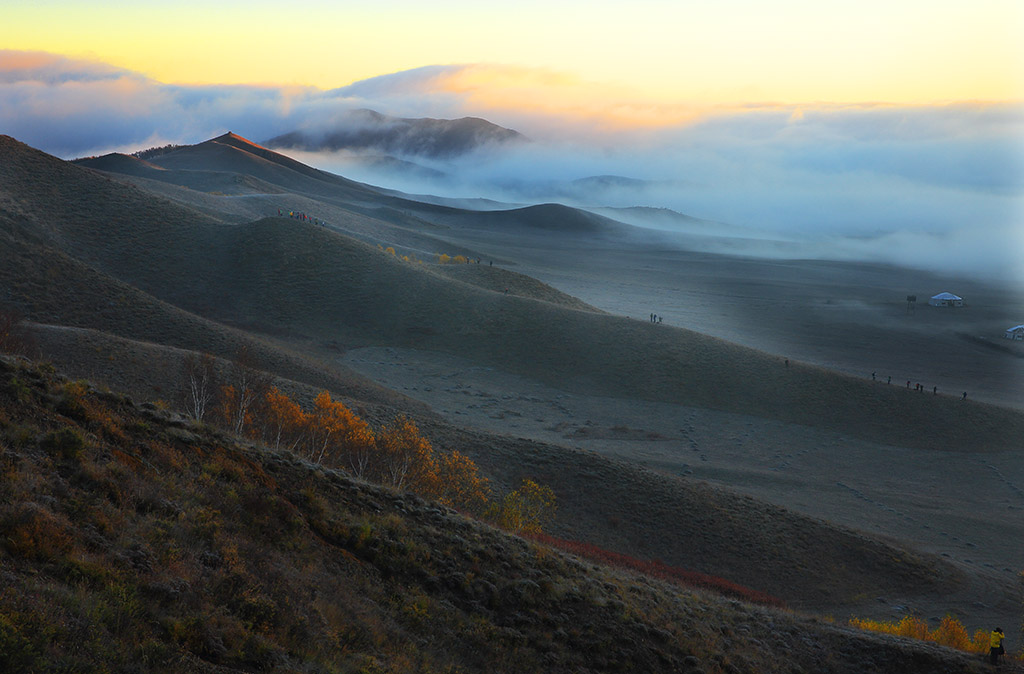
{"points": [[199, 384]]}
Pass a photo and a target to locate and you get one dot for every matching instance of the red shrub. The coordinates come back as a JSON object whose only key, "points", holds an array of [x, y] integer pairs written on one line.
{"points": [[657, 569]]}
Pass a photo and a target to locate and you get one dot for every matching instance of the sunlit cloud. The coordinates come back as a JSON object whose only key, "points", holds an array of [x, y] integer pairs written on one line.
{"points": [[53, 69], [932, 184]]}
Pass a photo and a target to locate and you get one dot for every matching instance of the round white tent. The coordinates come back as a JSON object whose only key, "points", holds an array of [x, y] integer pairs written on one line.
{"points": [[946, 300]]}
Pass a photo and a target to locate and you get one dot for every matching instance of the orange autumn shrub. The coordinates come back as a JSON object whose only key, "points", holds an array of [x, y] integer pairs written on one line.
{"points": [[950, 632]]}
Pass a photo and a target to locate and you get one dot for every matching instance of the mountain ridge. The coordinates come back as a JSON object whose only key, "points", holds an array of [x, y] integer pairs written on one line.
{"points": [[363, 130]]}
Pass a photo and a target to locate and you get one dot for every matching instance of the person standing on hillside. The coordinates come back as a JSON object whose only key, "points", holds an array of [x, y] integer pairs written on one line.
{"points": [[996, 646]]}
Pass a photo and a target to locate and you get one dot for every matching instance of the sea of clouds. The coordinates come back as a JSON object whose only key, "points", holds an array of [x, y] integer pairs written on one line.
{"points": [[932, 186]]}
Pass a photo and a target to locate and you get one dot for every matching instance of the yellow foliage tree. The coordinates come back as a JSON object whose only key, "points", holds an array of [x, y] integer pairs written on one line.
{"points": [[527, 509], [444, 258], [461, 485], [398, 455], [339, 437], [406, 458], [244, 389], [283, 421]]}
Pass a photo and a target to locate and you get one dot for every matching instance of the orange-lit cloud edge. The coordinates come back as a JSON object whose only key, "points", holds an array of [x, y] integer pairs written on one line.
{"points": [[521, 92], [567, 101]]}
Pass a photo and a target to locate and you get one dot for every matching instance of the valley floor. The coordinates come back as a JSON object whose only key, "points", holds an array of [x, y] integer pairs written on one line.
{"points": [[848, 317], [967, 507]]}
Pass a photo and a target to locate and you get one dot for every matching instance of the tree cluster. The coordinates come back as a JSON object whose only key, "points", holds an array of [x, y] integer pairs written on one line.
{"points": [[151, 152], [329, 433]]}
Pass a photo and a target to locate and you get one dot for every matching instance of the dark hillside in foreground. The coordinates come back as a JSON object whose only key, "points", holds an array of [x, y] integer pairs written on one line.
{"points": [[135, 539], [807, 562]]}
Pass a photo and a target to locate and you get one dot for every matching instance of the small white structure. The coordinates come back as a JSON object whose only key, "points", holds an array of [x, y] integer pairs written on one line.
{"points": [[1016, 332], [946, 300]]}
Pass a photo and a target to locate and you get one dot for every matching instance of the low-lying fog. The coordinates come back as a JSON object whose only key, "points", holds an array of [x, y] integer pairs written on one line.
{"points": [[935, 188]]}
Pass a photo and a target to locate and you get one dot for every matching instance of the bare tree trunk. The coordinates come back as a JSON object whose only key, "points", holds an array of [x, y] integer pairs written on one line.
{"points": [[200, 375], [250, 383]]}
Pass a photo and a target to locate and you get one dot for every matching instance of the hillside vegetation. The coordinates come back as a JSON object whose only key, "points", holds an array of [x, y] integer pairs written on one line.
{"points": [[134, 539], [803, 560]]}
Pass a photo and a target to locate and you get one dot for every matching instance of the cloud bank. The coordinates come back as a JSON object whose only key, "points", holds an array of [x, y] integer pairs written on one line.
{"points": [[938, 186]]}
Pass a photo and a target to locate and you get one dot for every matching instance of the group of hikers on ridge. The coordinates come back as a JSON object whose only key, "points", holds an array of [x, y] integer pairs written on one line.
{"points": [[296, 215], [917, 387]]}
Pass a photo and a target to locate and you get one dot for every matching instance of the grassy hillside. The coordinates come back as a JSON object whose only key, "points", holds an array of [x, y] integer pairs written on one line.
{"points": [[291, 275], [134, 539], [807, 562], [50, 287], [219, 182], [126, 284]]}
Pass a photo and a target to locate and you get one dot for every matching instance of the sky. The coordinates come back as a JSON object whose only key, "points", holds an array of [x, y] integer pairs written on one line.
{"points": [[664, 51], [871, 121]]}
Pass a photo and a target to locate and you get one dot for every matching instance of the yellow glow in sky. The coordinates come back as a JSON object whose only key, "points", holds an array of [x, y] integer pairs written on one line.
{"points": [[729, 51]]}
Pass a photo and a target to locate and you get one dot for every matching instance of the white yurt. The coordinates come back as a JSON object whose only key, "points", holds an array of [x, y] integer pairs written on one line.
{"points": [[1016, 332], [946, 300]]}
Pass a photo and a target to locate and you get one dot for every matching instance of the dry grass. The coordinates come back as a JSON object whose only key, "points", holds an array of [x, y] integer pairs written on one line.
{"points": [[185, 551]]}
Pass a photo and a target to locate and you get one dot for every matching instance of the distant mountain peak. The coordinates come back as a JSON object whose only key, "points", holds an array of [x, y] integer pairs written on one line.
{"points": [[369, 130], [233, 138]]}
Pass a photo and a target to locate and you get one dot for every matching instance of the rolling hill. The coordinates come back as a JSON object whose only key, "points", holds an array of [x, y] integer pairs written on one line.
{"points": [[136, 539], [282, 274], [123, 281]]}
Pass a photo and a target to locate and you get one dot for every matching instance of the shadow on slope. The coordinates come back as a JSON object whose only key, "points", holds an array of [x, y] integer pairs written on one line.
{"points": [[809, 563]]}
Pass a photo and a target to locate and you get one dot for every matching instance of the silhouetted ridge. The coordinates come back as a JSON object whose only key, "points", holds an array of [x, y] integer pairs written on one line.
{"points": [[368, 129], [115, 162], [233, 153]]}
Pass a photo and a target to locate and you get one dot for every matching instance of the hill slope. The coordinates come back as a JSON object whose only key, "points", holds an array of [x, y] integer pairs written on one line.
{"points": [[284, 274], [134, 539]]}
